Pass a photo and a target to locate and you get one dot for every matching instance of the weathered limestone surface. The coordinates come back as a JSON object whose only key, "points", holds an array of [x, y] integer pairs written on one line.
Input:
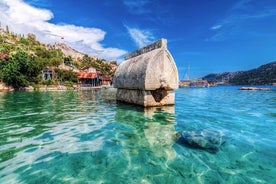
{"points": [[148, 76]]}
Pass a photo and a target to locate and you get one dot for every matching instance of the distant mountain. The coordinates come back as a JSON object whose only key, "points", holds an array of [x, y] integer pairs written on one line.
{"points": [[265, 74]]}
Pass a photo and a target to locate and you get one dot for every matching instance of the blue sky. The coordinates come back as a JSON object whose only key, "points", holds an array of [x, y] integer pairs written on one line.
{"points": [[208, 36]]}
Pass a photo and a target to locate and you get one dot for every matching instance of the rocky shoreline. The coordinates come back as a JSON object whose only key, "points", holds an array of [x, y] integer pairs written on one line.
{"points": [[47, 88]]}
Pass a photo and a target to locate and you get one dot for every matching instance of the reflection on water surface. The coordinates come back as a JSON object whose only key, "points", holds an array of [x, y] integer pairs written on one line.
{"points": [[85, 136]]}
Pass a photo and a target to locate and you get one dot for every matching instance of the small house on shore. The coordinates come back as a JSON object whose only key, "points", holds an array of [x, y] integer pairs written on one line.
{"points": [[48, 73], [91, 77], [88, 79]]}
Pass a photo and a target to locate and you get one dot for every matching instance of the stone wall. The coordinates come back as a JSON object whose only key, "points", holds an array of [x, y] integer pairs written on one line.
{"points": [[144, 97]]}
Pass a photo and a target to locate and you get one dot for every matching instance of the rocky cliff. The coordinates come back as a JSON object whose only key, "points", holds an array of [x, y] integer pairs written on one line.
{"points": [[68, 51]]}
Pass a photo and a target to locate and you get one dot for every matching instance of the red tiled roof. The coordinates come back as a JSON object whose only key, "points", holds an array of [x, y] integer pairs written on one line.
{"points": [[86, 75]]}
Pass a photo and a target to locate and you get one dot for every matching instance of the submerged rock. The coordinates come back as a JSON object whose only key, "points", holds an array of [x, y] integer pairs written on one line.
{"points": [[255, 88], [206, 139]]}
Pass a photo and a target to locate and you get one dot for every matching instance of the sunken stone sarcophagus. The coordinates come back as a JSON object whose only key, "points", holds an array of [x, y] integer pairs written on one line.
{"points": [[148, 76]]}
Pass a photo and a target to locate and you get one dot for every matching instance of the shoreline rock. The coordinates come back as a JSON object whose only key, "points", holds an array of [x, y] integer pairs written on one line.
{"points": [[49, 88], [255, 88]]}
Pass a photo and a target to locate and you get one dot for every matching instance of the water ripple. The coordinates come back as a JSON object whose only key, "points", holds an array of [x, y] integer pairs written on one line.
{"points": [[85, 136]]}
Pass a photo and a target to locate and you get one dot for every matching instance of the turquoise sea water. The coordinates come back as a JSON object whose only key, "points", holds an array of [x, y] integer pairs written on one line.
{"points": [[86, 137]]}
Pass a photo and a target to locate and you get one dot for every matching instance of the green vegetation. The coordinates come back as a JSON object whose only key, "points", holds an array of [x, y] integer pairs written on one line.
{"points": [[22, 60], [20, 69], [66, 76], [100, 64]]}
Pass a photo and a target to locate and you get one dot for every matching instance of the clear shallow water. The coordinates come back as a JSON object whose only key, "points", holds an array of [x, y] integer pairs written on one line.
{"points": [[85, 137]]}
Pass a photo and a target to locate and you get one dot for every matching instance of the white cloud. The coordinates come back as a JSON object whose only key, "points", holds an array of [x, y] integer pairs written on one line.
{"points": [[216, 27], [23, 18], [140, 37], [137, 7], [241, 13]]}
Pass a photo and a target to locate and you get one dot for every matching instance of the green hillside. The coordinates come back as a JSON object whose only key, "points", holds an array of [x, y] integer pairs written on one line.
{"points": [[22, 58]]}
